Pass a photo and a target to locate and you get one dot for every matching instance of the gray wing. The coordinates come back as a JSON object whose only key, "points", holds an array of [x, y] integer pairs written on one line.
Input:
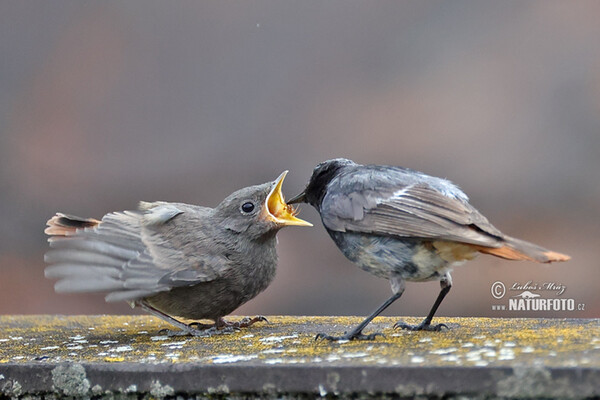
{"points": [[406, 204], [134, 254]]}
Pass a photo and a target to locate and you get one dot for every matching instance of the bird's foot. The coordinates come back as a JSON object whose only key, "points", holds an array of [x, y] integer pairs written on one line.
{"points": [[423, 326], [200, 326], [243, 323], [187, 332], [348, 336]]}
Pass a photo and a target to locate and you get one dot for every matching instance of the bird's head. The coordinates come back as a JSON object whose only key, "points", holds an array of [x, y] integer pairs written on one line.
{"points": [[320, 178], [258, 210]]}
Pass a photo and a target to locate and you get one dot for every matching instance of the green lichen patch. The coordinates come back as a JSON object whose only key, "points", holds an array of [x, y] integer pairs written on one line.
{"points": [[291, 340]]}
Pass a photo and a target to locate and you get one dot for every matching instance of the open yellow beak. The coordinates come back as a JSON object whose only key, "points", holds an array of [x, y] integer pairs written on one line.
{"points": [[278, 210]]}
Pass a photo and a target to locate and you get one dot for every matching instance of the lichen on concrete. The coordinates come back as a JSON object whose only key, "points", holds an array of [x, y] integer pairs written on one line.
{"points": [[530, 348], [70, 380], [290, 340]]}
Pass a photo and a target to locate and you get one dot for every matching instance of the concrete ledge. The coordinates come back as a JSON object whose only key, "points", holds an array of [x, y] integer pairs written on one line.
{"points": [[103, 356]]}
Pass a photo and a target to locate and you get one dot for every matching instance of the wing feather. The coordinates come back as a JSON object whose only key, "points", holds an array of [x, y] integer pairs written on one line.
{"points": [[130, 254], [399, 207]]}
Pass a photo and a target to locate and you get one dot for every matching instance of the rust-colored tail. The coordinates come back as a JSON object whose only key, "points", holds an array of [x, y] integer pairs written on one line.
{"points": [[65, 225], [516, 249]]}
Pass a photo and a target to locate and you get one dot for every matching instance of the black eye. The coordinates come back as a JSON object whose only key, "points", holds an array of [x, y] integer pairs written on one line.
{"points": [[248, 207]]}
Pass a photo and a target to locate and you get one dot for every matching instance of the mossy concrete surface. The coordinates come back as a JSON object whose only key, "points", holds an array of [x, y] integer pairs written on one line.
{"points": [[127, 356]]}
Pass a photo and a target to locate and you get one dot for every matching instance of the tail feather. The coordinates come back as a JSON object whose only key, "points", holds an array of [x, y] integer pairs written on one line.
{"points": [[517, 249], [64, 225], [88, 255]]}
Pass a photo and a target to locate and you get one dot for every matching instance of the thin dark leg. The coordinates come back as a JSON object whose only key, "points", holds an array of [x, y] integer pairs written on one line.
{"points": [[185, 329], [446, 284], [196, 328], [356, 333], [243, 323]]}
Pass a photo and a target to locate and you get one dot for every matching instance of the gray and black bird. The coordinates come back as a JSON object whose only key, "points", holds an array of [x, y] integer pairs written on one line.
{"points": [[173, 259], [404, 225]]}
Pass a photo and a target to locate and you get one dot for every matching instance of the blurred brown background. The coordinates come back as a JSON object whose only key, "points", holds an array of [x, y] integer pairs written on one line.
{"points": [[106, 103]]}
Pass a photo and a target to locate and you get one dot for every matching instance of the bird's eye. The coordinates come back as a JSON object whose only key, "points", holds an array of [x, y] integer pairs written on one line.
{"points": [[248, 207]]}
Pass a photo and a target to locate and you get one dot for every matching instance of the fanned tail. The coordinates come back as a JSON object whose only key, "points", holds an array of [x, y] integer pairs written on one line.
{"points": [[64, 224], [517, 249]]}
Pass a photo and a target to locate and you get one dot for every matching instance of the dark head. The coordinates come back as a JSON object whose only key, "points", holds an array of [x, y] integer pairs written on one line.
{"points": [[317, 185], [258, 210]]}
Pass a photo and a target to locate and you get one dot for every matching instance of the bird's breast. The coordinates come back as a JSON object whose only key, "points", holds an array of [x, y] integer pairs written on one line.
{"points": [[412, 259]]}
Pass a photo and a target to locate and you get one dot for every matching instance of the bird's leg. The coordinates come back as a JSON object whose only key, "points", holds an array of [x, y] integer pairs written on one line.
{"points": [[243, 323], [445, 284], [185, 329], [356, 333], [201, 326]]}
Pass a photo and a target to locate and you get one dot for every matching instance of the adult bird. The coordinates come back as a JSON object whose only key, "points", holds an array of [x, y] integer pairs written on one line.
{"points": [[174, 259], [404, 225]]}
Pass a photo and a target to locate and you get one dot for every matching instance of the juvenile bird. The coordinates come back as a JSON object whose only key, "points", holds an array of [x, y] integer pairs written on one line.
{"points": [[174, 259], [403, 225]]}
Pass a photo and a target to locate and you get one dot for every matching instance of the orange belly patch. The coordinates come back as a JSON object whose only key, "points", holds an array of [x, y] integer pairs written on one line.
{"points": [[454, 252]]}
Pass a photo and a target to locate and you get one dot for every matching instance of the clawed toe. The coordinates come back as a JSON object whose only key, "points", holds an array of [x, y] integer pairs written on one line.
{"points": [[243, 323], [347, 337], [247, 321], [186, 332], [420, 327]]}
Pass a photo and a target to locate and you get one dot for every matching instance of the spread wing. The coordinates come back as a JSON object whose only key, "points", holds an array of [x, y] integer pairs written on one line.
{"points": [[399, 203], [132, 254]]}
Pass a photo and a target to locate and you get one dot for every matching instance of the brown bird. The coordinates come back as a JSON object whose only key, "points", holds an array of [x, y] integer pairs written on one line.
{"points": [[174, 259], [404, 225]]}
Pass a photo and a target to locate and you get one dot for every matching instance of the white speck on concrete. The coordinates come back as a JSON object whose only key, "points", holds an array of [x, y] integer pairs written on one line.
{"points": [[474, 355], [417, 359], [425, 340], [450, 358], [49, 348], [77, 337], [506, 353], [180, 344], [355, 355], [322, 390], [468, 344], [230, 358], [444, 351], [274, 361], [272, 351], [527, 349], [158, 338], [489, 353], [247, 336], [509, 344], [277, 339], [122, 349], [74, 347], [109, 342]]}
